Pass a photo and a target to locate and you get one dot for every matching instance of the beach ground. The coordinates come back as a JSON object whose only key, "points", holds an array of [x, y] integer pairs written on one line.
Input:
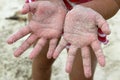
{"points": [[12, 68]]}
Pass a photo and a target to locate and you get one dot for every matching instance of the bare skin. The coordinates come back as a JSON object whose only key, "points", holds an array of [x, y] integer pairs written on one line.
{"points": [[46, 24], [107, 11], [118, 2], [77, 71], [80, 31], [39, 66], [75, 75]]}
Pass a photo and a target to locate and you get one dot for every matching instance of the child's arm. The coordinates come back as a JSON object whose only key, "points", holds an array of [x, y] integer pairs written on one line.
{"points": [[118, 2], [107, 8]]}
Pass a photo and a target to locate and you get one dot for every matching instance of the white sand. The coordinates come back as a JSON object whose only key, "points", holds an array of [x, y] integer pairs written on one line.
{"points": [[12, 68]]}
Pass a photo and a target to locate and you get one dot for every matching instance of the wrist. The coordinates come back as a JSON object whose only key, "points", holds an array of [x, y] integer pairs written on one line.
{"points": [[84, 8], [59, 3]]}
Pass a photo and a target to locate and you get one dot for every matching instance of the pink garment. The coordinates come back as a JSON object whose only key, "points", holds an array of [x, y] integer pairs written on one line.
{"points": [[101, 36]]}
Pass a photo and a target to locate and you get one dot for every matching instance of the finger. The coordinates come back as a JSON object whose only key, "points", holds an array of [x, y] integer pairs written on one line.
{"points": [[28, 7], [38, 47], [16, 36], [62, 44], [25, 9], [86, 61], [52, 46], [25, 45], [70, 58], [98, 52], [103, 25]]}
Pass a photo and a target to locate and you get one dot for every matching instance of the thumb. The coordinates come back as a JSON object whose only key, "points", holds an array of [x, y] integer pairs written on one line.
{"points": [[103, 25], [29, 7], [105, 28]]}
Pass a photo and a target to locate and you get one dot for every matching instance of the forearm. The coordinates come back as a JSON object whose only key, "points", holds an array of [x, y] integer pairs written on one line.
{"points": [[107, 8], [118, 2]]}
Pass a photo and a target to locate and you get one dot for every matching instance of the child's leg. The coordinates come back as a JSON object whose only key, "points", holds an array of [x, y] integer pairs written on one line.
{"points": [[42, 66], [77, 71]]}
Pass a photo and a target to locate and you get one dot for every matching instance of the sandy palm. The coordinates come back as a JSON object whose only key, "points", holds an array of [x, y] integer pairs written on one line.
{"points": [[81, 32], [46, 24]]}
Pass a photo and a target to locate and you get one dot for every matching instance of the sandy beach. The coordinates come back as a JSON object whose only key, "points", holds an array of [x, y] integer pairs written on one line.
{"points": [[12, 68]]}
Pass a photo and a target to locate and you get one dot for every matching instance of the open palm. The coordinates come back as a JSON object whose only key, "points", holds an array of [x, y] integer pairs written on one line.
{"points": [[46, 24], [80, 31]]}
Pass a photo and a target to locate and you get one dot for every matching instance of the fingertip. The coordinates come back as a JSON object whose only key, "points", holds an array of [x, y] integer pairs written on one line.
{"points": [[21, 12], [88, 75], [55, 55], [31, 57], [49, 56], [105, 28], [25, 9], [18, 52], [16, 55], [9, 41], [68, 69], [106, 31], [102, 62]]}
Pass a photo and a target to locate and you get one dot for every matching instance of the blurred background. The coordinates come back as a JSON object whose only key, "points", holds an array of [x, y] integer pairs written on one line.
{"points": [[12, 68]]}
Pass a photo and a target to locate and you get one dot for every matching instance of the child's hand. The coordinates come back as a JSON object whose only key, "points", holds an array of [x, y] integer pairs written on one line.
{"points": [[46, 24], [80, 31]]}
